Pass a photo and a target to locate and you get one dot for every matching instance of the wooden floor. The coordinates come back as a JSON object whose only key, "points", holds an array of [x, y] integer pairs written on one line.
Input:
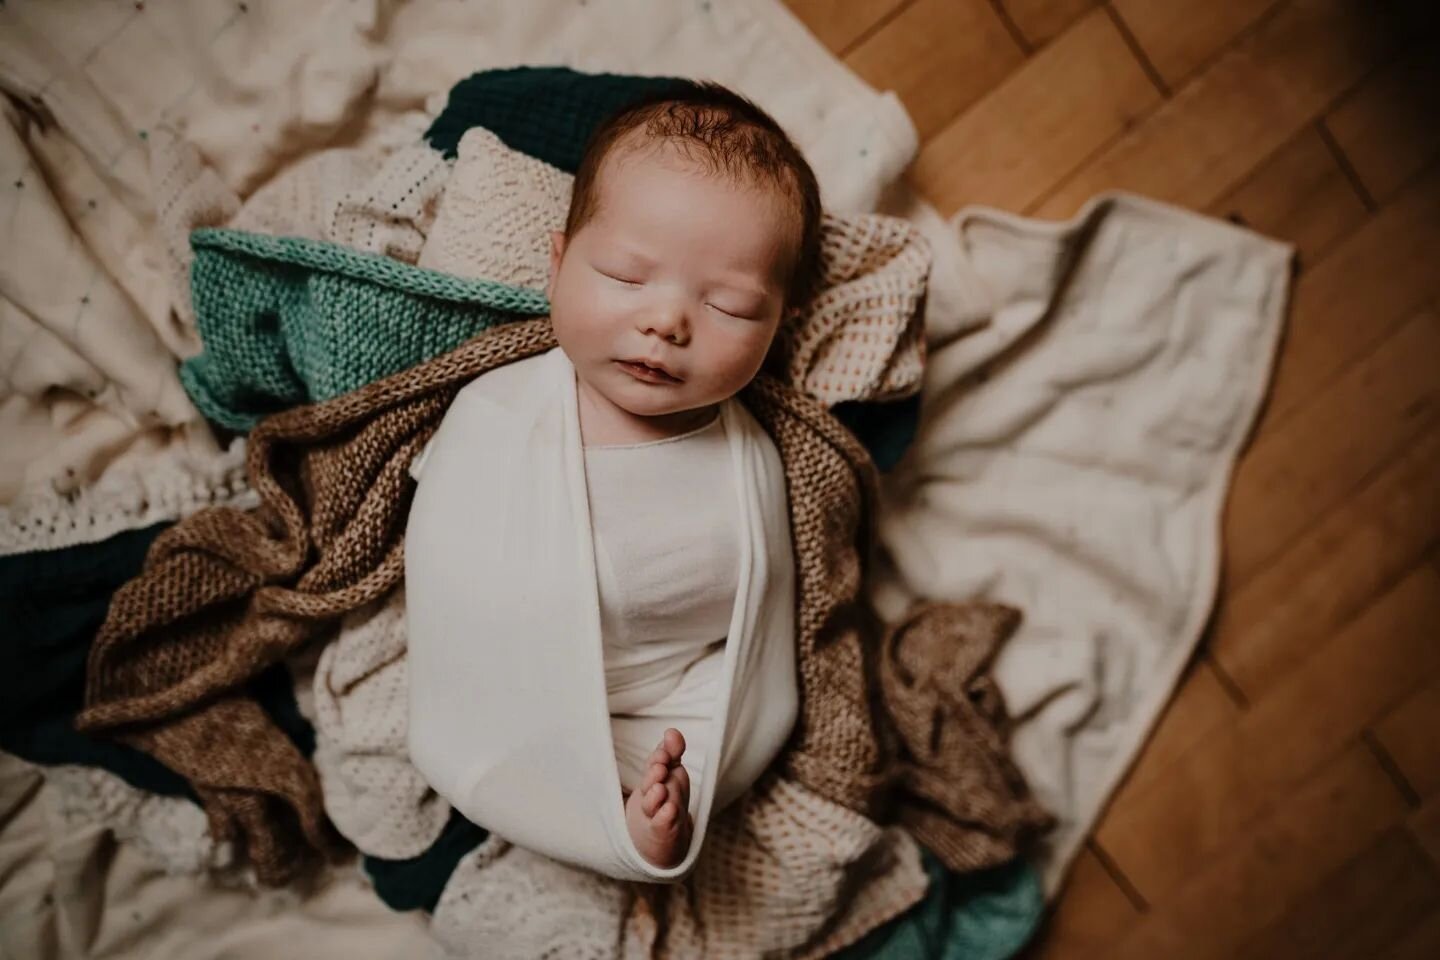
{"points": [[1289, 803]]}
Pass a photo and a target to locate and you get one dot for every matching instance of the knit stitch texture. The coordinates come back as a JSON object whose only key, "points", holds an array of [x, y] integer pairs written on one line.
{"points": [[546, 112], [288, 321]]}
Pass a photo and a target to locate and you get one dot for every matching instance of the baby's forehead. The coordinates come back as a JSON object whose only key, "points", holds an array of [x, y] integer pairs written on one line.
{"points": [[638, 154], [638, 157]]}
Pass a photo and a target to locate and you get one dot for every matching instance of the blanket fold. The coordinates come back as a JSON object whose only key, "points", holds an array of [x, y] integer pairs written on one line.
{"points": [[951, 720], [227, 592]]}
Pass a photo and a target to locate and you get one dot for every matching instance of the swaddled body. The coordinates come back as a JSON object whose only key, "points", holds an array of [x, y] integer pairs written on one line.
{"points": [[668, 568], [663, 607], [511, 715]]}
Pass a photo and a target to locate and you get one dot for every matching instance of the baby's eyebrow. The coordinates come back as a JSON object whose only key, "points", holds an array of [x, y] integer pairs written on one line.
{"points": [[635, 257], [761, 296], [743, 285]]}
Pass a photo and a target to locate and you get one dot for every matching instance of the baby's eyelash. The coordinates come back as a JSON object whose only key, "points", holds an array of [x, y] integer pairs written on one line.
{"points": [[627, 282], [737, 316]]}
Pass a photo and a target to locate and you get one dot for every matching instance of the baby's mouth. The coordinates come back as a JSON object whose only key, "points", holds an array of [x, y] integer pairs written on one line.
{"points": [[647, 373]]}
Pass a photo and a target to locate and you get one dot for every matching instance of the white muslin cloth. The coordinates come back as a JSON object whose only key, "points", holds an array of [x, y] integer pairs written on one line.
{"points": [[509, 718], [667, 560]]}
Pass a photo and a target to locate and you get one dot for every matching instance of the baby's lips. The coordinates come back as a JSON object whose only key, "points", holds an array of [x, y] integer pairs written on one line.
{"points": [[654, 370]]}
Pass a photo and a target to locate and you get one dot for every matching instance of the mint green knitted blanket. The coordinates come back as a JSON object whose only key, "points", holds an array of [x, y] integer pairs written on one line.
{"points": [[287, 321]]}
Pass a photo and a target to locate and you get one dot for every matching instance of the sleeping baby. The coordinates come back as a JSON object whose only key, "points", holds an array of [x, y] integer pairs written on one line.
{"points": [[630, 506]]}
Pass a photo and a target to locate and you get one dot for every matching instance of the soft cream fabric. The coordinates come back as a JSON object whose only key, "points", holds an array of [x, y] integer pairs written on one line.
{"points": [[171, 832], [498, 212], [374, 795], [161, 478], [71, 890], [1073, 460], [187, 195], [380, 198], [87, 379]]}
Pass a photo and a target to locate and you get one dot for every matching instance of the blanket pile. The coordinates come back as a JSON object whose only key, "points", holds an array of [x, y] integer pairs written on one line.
{"points": [[1088, 387], [227, 592], [421, 255], [286, 319]]}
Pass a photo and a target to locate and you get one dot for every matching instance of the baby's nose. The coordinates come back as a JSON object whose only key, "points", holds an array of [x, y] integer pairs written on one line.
{"points": [[669, 324]]}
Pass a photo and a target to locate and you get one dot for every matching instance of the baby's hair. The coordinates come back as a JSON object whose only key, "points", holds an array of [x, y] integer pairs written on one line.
{"points": [[728, 135]]}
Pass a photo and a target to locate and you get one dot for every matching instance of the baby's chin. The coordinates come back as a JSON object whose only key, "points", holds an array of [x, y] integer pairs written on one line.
{"points": [[650, 401], [653, 409]]}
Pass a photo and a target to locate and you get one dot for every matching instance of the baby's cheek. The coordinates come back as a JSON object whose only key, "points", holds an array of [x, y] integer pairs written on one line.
{"points": [[732, 364], [599, 309], [580, 312]]}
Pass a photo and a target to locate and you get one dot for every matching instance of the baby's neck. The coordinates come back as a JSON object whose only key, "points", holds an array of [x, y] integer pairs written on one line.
{"points": [[603, 424]]}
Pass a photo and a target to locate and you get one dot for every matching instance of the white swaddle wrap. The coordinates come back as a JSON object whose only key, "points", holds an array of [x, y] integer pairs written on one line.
{"points": [[508, 705], [663, 516]]}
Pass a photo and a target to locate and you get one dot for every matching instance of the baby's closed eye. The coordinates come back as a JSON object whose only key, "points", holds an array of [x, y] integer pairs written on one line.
{"points": [[627, 281], [738, 315]]}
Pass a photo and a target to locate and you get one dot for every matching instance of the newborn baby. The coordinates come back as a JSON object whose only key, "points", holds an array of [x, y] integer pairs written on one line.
{"points": [[609, 512], [692, 231]]}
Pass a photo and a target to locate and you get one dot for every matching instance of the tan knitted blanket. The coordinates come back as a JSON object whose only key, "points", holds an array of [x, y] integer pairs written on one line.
{"points": [[227, 592]]}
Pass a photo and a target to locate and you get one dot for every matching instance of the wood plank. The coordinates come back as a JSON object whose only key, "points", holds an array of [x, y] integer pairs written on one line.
{"points": [[1040, 21], [1356, 296], [1091, 912], [1180, 35], [1039, 124], [1357, 911], [939, 56], [1245, 106], [839, 25], [1161, 836], [1249, 882], [1422, 942], [1199, 707], [1424, 824], [1299, 194], [1277, 619], [1411, 732], [1310, 462], [1387, 127]]}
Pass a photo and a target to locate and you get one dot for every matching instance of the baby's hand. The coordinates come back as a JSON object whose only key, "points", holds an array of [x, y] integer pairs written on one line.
{"points": [[658, 811]]}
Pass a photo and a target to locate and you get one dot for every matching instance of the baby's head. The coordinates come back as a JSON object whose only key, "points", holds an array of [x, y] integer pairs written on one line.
{"points": [[693, 231]]}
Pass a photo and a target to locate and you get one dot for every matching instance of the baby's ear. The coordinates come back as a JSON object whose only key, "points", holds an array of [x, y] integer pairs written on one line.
{"points": [[557, 251]]}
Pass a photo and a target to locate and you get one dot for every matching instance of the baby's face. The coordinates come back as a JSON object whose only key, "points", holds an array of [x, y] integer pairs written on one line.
{"points": [[667, 300]]}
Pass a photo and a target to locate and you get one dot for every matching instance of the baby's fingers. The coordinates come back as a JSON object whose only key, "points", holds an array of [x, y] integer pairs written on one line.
{"points": [[652, 798], [680, 777], [655, 773]]}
